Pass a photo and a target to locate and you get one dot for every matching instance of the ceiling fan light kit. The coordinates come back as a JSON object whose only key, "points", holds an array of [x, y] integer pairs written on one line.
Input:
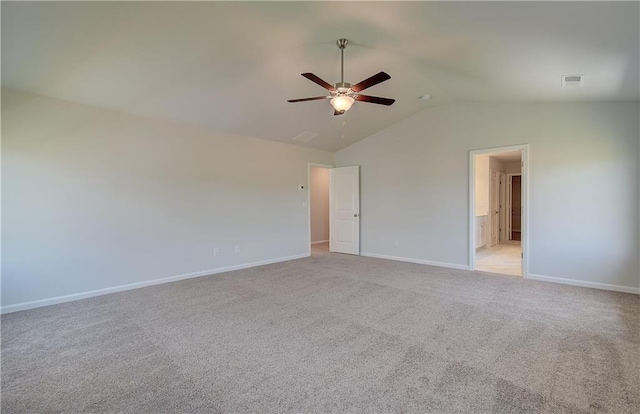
{"points": [[343, 94], [342, 103]]}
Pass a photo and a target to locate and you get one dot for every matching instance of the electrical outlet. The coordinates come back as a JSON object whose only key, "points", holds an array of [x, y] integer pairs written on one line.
{"points": [[237, 249], [396, 243], [216, 251]]}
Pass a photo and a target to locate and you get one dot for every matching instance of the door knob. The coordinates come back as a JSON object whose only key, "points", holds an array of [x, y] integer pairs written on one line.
{"points": [[355, 215]]}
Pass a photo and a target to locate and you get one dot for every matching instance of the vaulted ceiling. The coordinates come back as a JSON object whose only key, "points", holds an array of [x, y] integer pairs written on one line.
{"points": [[230, 67]]}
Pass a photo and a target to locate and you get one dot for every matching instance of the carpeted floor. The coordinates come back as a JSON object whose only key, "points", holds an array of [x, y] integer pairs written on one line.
{"points": [[330, 333]]}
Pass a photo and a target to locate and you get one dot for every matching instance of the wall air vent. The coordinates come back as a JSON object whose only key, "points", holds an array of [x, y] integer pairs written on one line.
{"points": [[305, 136], [572, 80]]}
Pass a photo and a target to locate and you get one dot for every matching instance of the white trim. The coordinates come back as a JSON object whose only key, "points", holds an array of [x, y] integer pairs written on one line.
{"points": [[594, 285], [558, 280], [320, 242], [524, 210], [524, 171], [309, 165], [418, 261], [502, 195], [99, 292]]}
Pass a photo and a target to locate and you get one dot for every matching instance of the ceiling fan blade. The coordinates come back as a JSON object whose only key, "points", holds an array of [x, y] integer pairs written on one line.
{"points": [[375, 100], [369, 82], [324, 84], [315, 98], [338, 113]]}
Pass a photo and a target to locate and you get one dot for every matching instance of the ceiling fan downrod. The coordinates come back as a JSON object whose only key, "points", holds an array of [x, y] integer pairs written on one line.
{"points": [[342, 44]]}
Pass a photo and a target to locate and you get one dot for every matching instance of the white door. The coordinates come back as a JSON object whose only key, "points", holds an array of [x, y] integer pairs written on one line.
{"points": [[509, 206], [344, 200], [495, 207], [503, 210]]}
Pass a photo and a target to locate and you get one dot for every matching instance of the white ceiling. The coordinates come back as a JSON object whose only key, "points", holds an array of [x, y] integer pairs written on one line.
{"points": [[231, 66], [507, 156]]}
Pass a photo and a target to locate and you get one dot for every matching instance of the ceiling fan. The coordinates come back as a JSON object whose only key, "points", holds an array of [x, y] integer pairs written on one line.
{"points": [[344, 94]]}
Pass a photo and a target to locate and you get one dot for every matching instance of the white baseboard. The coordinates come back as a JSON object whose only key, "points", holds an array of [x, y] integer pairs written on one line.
{"points": [[595, 285], [418, 261], [320, 242], [83, 295], [572, 282]]}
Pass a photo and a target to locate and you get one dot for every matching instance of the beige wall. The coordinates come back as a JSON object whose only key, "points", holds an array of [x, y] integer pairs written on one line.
{"points": [[482, 218], [513, 167], [496, 164], [93, 199], [482, 185], [583, 164], [505, 166], [319, 204]]}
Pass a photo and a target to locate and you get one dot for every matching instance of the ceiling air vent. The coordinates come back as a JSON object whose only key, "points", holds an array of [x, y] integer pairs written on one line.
{"points": [[305, 136], [572, 80]]}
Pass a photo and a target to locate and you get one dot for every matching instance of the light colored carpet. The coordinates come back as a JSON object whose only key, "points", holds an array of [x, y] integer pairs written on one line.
{"points": [[330, 333]]}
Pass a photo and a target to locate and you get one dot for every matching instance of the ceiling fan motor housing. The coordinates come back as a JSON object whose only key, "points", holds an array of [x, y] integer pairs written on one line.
{"points": [[343, 87]]}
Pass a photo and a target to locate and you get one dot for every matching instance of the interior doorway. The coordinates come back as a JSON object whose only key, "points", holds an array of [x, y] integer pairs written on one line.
{"points": [[498, 194], [334, 209], [319, 188]]}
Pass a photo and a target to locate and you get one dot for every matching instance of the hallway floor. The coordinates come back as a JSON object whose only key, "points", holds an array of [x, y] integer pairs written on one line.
{"points": [[320, 249], [502, 258]]}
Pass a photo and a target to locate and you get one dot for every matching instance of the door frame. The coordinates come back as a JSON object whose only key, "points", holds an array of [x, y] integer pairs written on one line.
{"points": [[509, 202], [524, 232], [309, 165]]}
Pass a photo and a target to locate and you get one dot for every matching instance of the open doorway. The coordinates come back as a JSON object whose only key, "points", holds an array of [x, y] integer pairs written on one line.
{"points": [[497, 217], [319, 187]]}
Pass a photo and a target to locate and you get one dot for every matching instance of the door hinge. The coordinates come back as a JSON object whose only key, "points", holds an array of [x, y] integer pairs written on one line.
{"points": [[522, 255]]}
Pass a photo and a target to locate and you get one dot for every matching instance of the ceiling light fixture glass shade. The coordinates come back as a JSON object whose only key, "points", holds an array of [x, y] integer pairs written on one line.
{"points": [[342, 103]]}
